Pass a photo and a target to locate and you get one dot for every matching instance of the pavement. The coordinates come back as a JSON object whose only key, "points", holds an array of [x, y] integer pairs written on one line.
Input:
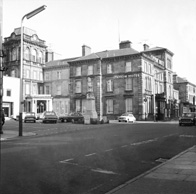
{"points": [[174, 176]]}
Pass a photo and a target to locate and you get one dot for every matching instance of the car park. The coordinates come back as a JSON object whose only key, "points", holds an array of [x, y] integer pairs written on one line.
{"points": [[49, 116], [72, 117], [30, 117], [127, 117], [188, 118]]}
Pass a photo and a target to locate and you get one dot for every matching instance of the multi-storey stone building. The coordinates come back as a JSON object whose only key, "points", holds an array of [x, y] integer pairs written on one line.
{"points": [[124, 80], [56, 83], [187, 94], [33, 62]]}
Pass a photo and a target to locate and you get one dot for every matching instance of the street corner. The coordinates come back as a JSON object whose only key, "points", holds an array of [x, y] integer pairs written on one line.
{"points": [[8, 134]]}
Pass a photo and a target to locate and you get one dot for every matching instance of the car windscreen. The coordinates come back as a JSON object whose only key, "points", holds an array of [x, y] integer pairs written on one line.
{"points": [[50, 113], [188, 115]]}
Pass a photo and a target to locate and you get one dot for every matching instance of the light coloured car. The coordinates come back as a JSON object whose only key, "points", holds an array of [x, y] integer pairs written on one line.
{"points": [[127, 117], [49, 116]]}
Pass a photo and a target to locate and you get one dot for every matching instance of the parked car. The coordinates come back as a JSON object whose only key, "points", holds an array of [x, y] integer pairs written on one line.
{"points": [[30, 117], [188, 119], [49, 116], [72, 117], [127, 117]]}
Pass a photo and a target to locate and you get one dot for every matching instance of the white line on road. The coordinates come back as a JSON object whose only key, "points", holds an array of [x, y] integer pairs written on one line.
{"points": [[90, 154], [124, 146], [108, 150], [67, 160]]}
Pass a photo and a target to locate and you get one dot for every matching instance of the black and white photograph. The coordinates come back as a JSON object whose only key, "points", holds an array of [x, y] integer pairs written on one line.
{"points": [[97, 96]]}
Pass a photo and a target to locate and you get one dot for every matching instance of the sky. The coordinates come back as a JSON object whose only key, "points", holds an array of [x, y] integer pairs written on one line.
{"points": [[66, 25]]}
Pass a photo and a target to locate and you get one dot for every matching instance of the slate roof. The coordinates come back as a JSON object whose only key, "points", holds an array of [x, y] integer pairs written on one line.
{"points": [[60, 62], [157, 49], [107, 54]]}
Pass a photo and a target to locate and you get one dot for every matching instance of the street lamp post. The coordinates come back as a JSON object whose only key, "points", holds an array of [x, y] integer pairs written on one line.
{"points": [[28, 16]]}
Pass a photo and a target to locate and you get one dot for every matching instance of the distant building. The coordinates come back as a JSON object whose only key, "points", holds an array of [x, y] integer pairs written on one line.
{"points": [[56, 83], [187, 94], [124, 80], [35, 53]]}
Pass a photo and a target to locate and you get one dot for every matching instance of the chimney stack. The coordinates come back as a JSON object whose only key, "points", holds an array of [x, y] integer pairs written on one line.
{"points": [[125, 44], [146, 47], [86, 50]]}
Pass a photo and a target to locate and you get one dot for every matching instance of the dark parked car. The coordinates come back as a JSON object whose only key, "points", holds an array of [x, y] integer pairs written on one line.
{"points": [[30, 117], [72, 117], [49, 116], [188, 119]]}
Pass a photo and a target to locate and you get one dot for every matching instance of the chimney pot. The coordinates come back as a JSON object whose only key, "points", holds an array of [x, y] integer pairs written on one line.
{"points": [[86, 50], [125, 44], [146, 47]]}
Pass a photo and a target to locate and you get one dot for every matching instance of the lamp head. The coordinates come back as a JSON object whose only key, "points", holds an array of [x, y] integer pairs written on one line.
{"points": [[35, 12]]}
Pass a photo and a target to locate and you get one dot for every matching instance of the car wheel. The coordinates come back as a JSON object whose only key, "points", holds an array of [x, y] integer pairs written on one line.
{"points": [[180, 124], [118, 120], [62, 120]]}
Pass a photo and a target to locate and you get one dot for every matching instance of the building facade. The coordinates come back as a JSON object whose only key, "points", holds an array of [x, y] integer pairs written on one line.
{"points": [[124, 80], [187, 94], [56, 83], [34, 53]]}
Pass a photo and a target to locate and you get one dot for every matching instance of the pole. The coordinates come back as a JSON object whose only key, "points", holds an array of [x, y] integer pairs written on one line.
{"points": [[21, 100], [21, 81]]}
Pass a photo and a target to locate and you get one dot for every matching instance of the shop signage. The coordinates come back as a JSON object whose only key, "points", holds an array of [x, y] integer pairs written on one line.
{"points": [[126, 76]]}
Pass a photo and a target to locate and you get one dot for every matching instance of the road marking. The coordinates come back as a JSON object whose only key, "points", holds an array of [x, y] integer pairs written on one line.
{"points": [[103, 171], [108, 150], [90, 154], [124, 146], [67, 160]]}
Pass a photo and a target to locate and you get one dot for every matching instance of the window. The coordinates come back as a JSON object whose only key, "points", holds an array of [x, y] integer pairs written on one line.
{"points": [[27, 54], [77, 105], [128, 67], [169, 65], [90, 70], [13, 73], [169, 77], [78, 71], [129, 84], [8, 93], [47, 89], [47, 76], [148, 83], [27, 73], [109, 104], [109, 86], [40, 76], [78, 87], [40, 57], [34, 55], [58, 90], [34, 88], [58, 75], [156, 88], [109, 68], [129, 104], [14, 54], [27, 88], [34, 74]]}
